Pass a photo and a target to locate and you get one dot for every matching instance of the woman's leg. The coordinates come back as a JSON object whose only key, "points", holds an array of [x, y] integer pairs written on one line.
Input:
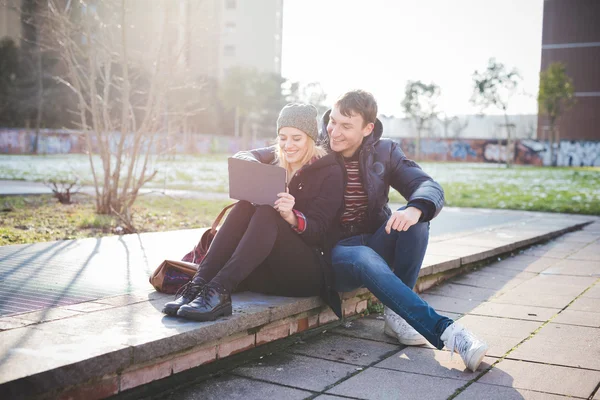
{"points": [[267, 233], [227, 240], [268, 237], [291, 269], [221, 248]]}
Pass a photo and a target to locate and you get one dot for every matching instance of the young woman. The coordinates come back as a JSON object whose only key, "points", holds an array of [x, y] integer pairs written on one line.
{"points": [[283, 249]]}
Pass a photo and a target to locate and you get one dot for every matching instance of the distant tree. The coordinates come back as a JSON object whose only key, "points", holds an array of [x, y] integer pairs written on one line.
{"points": [[310, 93], [555, 96], [9, 69], [495, 87], [458, 127], [256, 98], [419, 104]]}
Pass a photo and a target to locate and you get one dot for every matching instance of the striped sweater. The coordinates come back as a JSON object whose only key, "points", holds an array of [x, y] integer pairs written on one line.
{"points": [[354, 218]]}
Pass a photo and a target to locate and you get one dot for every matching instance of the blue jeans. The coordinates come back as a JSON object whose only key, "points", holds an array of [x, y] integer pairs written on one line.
{"points": [[388, 265]]}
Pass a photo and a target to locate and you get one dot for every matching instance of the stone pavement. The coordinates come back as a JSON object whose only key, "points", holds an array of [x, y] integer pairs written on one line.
{"points": [[539, 312], [532, 307]]}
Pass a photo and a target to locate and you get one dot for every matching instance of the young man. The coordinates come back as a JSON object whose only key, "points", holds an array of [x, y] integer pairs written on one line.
{"points": [[380, 249]]}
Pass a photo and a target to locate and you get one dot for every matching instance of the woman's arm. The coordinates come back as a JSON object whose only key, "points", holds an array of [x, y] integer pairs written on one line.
{"points": [[264, 155], [323, 209]]}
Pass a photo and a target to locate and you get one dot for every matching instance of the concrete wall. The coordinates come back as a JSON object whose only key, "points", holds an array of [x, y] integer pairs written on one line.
{"points": [[527, 152], [20, 141]]}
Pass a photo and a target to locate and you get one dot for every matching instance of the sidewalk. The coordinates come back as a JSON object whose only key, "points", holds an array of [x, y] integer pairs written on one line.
{"points": [[537, 310], [14, 188]]}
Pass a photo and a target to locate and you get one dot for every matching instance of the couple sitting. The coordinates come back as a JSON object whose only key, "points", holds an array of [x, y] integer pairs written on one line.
{"points": [[333, 231]]}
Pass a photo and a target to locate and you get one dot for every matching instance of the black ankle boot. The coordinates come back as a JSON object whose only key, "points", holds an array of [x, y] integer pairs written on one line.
{"points": [[186, 294], [212, 302]]}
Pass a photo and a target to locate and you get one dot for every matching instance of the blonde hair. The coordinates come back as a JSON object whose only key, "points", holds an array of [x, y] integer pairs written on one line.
{"points": [[313, 151]]}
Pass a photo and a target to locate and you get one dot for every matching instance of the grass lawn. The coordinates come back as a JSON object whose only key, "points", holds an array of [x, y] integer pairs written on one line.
{"points": [[30, 219], [40, 218]]}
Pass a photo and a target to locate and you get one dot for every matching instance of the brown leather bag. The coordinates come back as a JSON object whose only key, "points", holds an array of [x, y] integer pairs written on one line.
{"points": [[172, 275]]}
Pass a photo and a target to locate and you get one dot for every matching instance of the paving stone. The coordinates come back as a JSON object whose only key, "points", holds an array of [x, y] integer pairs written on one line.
{"points": [[369, 385], [7, 323], [524, 263], [478, 391], [432, 362], [556, 285], [329, 397], [588, 304], [568, 345], [370, 328], [521, 297], [498, 283], [582, 318], [235, 387], [541, 251], [574, 267], [593, 292], [515, 311], [462, 292], [443, 304], [344, 349], [87, 307], [581, 236], [297, 371], [590, 253], [49, 314], [497, 272], [543, 378], [562, 245]]}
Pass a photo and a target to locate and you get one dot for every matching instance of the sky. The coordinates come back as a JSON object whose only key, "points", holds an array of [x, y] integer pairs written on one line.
{"points": [[378, 45]]}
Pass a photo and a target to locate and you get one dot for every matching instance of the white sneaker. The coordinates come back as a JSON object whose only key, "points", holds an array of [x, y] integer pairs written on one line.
{"points": [[458, 339], [396, 326]]}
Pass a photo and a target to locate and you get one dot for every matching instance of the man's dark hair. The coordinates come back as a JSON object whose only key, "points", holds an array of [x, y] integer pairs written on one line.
{"points": [[358, 102]]}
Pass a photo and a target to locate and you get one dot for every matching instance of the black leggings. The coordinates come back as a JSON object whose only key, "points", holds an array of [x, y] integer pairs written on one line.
{"points": [[257, 250]]}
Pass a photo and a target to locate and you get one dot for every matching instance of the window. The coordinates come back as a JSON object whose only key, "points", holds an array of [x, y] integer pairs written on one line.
{"points": [[230, 27], [230, 4], [229, 51]]}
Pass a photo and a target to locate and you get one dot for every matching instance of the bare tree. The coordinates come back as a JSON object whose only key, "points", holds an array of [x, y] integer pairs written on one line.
{"points": [[495, 87], [458, 127], [122, 100], [419, 103]]}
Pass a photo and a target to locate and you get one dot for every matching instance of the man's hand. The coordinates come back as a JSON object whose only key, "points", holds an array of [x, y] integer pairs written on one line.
{"points": [[403, 219]]}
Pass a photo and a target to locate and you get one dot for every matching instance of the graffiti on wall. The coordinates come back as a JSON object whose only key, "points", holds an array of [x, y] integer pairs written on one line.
{"points": [[526, 152]]}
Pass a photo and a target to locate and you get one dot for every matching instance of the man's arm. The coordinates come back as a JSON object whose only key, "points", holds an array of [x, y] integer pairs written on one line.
{"points": [[416, 186]]}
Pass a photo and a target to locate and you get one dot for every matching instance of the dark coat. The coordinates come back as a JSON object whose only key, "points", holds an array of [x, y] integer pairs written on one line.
{"points": [[318, 190], [383, 164]]}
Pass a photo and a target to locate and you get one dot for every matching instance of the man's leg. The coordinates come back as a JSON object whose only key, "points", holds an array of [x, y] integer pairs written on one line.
{"points": [[403, 251], [356, 266]]}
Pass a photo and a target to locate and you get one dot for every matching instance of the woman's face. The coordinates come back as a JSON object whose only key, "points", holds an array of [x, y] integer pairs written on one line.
{"points": [[294, 144]]}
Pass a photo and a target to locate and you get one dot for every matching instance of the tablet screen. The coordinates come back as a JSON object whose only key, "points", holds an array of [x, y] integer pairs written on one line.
{"points": [[255, 182]]}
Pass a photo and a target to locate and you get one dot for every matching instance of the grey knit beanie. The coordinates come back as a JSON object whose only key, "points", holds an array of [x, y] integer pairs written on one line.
{"points": [[299, 116]]}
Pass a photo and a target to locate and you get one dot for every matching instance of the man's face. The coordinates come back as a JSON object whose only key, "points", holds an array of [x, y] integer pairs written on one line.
{"points": [[346, 133]]}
